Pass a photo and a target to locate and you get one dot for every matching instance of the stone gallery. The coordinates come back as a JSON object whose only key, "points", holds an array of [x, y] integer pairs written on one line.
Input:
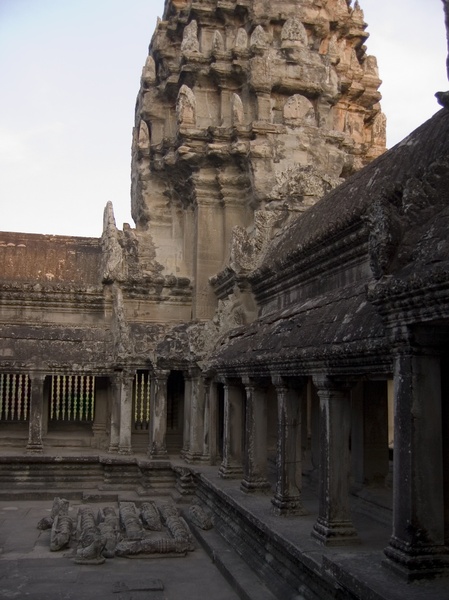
{"points": [[279, 315]]}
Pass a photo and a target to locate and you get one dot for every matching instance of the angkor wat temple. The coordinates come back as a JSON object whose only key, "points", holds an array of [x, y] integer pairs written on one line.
{"points": [[278, 317]]}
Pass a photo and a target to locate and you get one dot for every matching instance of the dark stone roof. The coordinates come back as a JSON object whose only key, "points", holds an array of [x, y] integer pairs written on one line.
{"points": [[339, 329], [401, 199], [385, 177]]}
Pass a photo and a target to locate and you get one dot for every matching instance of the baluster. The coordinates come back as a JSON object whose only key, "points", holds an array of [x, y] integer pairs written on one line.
{"points": [[63, 396], [7, 399], [92, 398], [75, 397], [1, 397], [69, 396], [147, 401], [142, 399], [86, 397], [52, 398], [81, 398], [19, 396], [58, 396], [13, 396], [26, 395]]}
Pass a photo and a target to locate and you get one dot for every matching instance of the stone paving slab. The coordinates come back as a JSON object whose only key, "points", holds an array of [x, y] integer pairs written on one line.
{"points": [[29, 571]]}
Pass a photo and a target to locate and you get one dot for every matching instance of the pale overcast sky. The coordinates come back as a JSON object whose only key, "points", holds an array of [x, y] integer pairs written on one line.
{"points": [[70, 73]]}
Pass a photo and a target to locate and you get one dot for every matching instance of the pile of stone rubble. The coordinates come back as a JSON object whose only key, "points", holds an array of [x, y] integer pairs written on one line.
{"points": [[144, 531]]}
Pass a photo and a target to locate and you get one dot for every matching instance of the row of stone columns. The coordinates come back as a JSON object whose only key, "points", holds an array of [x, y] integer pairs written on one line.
{"points": [[420, 539], [334, 524]]}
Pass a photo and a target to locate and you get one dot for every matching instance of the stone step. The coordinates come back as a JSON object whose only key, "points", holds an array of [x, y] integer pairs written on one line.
{"points": [[236, 571], [13, 442]]}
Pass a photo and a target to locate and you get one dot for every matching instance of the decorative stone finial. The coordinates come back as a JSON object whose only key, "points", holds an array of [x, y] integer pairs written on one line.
{"points": [[293, 33], [190, 43], [149, 71], [259, 39]]}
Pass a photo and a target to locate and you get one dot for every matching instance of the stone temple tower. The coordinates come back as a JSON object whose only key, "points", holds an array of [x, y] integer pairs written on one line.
{"points": [[249, 111]]}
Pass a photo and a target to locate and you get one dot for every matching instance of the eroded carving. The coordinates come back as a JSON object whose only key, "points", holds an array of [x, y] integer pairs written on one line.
{"points": [[190, 43], [186, 107]]}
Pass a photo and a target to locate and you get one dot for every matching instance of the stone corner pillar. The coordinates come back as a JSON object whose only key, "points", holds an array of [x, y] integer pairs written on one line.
{"points": [[198, 390], [231, 466], [157, 447], [125, 388], [334, 526], [35, 444], [114, 423], [255, 463], [287, 498], [417, 547]]}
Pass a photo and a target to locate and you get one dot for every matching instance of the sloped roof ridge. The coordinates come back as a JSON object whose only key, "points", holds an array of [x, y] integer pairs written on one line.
{"points": [[348, 202]]}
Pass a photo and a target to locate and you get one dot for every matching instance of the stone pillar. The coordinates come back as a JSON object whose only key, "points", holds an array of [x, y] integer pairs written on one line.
{"points": [[101, 416], [126, 381], [197, 405], [255, 463], [115, 390], [187, 414], [35, 444], [212, 435], [287, 498], [417, 545], [209, 249], [334, 526], [207, 385], [158, 415], [231, 467]]}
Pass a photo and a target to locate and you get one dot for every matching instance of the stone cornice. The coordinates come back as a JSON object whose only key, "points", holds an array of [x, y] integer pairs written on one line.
{"points": [[356, 358], [420, 297], [323, 254], [51, 295]]}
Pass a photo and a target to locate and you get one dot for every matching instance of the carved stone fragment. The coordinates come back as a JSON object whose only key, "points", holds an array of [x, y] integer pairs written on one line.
{"points": [[90, 540], [61, 532], [150, 516], [130, 521], [109, 527], [200, 517], [152, 546], [60, 506]]}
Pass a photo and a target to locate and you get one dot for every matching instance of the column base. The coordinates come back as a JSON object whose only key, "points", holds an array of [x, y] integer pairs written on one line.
{"points": [[255, 485], [419, 562], [339, 533], [195, 457], [157, 453], [230, 472], [125, 450], [284, 506], [113, 449], [34, 448]]}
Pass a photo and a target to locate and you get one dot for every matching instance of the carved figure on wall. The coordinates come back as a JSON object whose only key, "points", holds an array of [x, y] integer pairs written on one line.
{"points": [[186, 107]]}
